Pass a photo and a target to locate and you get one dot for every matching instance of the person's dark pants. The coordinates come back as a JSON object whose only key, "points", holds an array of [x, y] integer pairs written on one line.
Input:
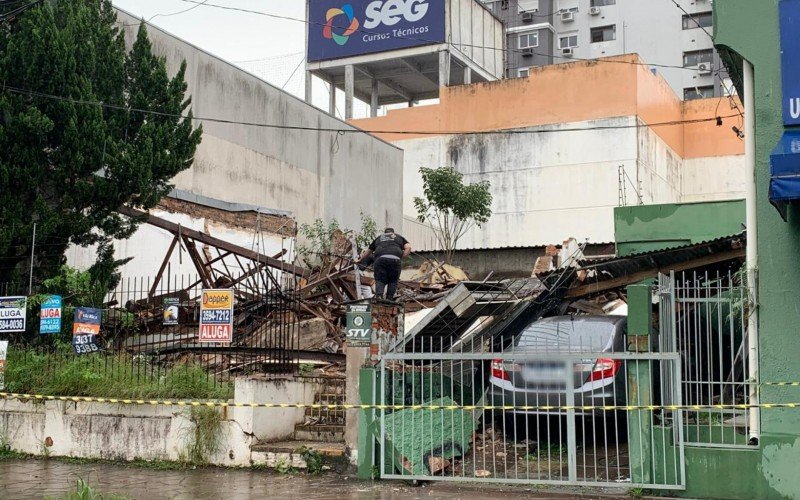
{"points": [[387, 274]]}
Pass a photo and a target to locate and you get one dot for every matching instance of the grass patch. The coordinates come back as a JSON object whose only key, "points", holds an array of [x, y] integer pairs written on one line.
{"points": [[203, 439], [62, 373], [85, 492]]}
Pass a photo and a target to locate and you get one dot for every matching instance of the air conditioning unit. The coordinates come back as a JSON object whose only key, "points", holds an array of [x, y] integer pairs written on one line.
{"points": [[594, 11], [567, 51], [567, 17], [704, 68], [528, 52], [527, 17]]}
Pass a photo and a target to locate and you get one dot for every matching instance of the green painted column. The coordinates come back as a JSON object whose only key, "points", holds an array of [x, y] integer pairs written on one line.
{"points": [[640, 422], [366, 423]]}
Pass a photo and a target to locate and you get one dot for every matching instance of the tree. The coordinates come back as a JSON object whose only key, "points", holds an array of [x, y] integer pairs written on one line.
{"points": [[450, 206], [320, 239], [68, 163]]}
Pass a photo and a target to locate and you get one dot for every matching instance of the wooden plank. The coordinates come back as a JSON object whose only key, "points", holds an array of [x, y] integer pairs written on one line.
{"points": [[216, 242], [337, 295], [197, 261], [163, 266]]}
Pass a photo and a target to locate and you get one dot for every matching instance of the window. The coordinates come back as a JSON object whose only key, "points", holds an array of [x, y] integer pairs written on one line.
{"points": [[523, 72], [504, 4], [695, 57], [528, 40], [602, 3], [698, 93], [604, 34], [569, 41], [528, 5], [704, 19]]}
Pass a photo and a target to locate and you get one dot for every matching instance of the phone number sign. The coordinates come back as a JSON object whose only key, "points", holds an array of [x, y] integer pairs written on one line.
{"points": [[86, 330], [216, 316]]}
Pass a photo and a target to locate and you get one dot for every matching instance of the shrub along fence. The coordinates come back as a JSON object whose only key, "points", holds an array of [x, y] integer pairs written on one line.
{"points": [[175, 339]]}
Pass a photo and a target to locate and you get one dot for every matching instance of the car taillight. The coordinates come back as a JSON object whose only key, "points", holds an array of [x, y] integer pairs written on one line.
{"points": [[604, 368], [498, 371]]}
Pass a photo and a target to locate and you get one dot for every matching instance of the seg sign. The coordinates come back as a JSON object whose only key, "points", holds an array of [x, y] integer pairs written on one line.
{"points": [[391, 12], [344, 28]]}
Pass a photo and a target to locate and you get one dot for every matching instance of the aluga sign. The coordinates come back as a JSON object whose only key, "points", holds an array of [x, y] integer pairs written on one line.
{"points": [[344, 28], [216, 316]]}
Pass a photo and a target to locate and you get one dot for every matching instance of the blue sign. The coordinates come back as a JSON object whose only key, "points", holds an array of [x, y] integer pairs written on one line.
{"points": [[50, 321], [344, 28], [86, 329], [790, 60]]}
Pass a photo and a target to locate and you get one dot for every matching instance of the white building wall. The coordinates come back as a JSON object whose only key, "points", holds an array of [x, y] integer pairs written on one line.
{"points": [[548, 186], [651, 28], [476, 33], [715, 178], [305, 172], [149, 245]]}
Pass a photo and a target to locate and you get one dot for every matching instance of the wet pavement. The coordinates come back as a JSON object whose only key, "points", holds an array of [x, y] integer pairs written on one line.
{"points": [[54, 479]]}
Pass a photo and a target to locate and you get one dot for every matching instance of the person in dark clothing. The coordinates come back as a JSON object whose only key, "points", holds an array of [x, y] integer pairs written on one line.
{"points": [[389, 249]]}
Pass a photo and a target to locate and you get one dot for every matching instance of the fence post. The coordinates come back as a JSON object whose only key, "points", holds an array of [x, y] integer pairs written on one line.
{"points": [[639, 383], [366, 422]]}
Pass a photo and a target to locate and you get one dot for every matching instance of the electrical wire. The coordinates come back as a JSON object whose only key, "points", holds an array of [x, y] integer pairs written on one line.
{"points": [[179, 12], [425, 40], [31, 93]]}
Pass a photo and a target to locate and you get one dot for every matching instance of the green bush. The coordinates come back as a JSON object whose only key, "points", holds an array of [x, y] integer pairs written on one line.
{"points": [[62, 373]]}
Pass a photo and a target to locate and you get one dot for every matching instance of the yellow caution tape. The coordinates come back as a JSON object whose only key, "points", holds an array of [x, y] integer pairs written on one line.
{"points": [[782, 384], [224, 404]]}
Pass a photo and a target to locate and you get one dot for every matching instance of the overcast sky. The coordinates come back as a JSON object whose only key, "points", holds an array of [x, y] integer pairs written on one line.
{"points": [[271, 48]]}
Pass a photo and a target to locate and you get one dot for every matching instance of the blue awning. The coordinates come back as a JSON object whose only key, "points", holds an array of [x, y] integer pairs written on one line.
{"points": [[784, 183]]}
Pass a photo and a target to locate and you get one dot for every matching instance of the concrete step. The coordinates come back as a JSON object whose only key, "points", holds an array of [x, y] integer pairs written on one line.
{"points": [[324, 448], [324, 433]]}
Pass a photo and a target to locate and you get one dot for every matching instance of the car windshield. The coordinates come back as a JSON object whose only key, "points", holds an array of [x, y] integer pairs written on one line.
{"points": [[567, 335]]}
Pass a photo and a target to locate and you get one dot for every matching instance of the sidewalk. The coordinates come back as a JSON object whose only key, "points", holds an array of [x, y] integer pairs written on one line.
{"points": [[54, 479]]}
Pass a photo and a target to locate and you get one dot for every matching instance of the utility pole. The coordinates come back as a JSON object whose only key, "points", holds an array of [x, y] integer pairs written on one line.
{"points": [[33, 247]]}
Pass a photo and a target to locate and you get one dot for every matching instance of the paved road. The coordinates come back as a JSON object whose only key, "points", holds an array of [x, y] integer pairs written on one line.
{"points": [[53, 479]]}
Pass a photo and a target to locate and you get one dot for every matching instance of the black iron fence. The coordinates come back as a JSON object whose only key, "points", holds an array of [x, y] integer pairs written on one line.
{"points": [[154, 338]]}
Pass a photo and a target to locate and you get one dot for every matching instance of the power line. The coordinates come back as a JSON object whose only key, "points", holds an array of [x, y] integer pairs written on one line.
{"points": [[179, 12], [31, 93], [359, 30], [717, 74]]}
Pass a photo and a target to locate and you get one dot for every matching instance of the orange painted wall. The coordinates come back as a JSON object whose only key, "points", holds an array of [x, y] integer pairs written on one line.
{"points": [[706, 138], [566, 93]]}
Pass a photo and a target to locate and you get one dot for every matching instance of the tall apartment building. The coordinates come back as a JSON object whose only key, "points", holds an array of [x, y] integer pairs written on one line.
{"points": [[542, 32]]}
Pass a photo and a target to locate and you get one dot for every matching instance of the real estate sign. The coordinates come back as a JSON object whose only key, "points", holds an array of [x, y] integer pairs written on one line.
{"points": [[216, 316], [86, 329], [50, 317], [12, 314], [171, 311]]}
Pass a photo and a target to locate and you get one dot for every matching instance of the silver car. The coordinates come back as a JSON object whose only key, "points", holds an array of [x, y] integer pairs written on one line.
{"points": [[533, 380]]}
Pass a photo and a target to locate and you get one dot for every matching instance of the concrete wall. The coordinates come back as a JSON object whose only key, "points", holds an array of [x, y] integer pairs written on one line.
{"points": [[128, 432], [475, 32], [559, 174], [550, 186], [751, 30], [312, 174]]}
